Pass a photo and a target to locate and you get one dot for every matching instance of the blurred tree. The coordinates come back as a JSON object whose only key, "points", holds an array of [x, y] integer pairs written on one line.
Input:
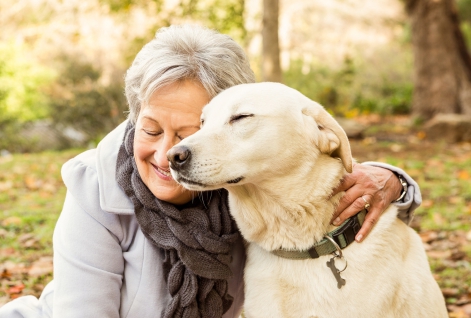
{"points": [[81, 101], [442, 63], [271, 68], [22, 82]]}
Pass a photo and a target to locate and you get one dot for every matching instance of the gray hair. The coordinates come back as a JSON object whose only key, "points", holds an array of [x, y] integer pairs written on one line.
{"points": [[185, 52]]}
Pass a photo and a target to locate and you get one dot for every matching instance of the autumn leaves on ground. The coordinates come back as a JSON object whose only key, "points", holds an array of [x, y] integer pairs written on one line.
{"points": [[32, 192]]}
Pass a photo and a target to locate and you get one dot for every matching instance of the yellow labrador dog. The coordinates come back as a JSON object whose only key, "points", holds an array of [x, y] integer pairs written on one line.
{"points": [[279, 155]]}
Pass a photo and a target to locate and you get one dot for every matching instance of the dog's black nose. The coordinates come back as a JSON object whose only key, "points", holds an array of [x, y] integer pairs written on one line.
{"points": [[178, 156]]}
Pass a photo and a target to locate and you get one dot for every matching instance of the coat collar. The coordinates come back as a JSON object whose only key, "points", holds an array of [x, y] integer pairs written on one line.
{"points": [[112, 197]]}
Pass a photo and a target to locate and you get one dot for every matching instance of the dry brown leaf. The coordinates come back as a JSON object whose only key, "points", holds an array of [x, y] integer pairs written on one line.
{"points": [[41, 267], [32, 183], [49, 187], [25, 237], [15, 268], [7, 185], [455, 200], [438, 219], [450, 292], [457, 255], [428, 236], [16, 289], [463, 175], [421, 135], [12, 220], [7, 251], [427, 203], [439, 254]]}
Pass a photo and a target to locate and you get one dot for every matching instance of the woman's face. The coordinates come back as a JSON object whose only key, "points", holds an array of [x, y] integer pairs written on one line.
{"points": [[173, 113]]}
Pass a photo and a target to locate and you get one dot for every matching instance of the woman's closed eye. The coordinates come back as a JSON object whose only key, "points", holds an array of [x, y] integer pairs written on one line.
{"points": [[153, 133]]}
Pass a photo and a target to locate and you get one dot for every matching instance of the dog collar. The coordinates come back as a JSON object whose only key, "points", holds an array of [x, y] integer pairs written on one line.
{"points": [[344, 235]]}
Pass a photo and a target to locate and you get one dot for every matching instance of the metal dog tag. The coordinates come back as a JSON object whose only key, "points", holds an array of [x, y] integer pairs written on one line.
{"points": [[331, 264]]}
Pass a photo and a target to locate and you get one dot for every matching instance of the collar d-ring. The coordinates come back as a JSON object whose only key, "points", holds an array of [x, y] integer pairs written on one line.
{"points": [[339, 250], [337, 253]]}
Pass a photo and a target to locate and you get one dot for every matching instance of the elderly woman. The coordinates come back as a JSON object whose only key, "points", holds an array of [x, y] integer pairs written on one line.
{"points": [[131, 242]]}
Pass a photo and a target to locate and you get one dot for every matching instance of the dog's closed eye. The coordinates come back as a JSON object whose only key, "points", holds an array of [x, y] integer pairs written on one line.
{"points": [[237, 117]]}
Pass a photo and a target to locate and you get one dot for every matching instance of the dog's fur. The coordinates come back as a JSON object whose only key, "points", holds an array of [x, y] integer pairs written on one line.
{"points": [[279, 155]]}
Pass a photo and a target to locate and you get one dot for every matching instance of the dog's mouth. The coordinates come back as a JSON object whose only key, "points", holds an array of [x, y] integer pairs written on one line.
{"points": [[196, 185], [191, 184]]}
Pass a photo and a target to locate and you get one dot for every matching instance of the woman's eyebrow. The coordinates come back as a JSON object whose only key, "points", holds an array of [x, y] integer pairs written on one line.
{"points": [[180, 127], [150, 118]]}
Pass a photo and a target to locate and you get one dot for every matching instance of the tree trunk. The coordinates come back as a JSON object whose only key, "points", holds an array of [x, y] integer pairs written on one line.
{"points": [[271, 69], [442, 63]]}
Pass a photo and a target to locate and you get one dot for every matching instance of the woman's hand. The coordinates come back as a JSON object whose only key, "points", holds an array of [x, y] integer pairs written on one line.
{"points": [[371, 185]]}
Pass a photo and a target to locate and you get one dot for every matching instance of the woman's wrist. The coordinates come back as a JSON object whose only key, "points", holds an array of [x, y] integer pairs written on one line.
{"points": [[403, 187]]}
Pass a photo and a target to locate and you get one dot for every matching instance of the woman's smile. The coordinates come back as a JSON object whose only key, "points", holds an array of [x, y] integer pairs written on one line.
{"points": [[163, 173]]}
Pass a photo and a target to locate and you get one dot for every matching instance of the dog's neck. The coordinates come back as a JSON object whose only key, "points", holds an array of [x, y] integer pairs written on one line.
{"points": [[294, 213]]}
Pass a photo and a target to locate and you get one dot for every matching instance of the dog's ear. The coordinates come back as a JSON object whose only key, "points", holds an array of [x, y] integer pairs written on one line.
{"points": [[332, 139]]}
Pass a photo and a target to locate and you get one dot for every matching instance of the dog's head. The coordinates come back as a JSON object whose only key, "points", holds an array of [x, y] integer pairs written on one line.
{"points": [[253, 132]]}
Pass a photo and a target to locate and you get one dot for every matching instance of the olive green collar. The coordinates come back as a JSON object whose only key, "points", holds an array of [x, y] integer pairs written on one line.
{"points": [[344, 235]]}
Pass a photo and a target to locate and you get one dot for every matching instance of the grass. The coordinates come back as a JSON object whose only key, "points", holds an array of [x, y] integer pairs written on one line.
{"points": [[31, 197]]}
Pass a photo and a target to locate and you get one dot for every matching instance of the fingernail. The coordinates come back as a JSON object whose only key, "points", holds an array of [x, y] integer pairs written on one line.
{"points": [[337, 221], [358, 238]]}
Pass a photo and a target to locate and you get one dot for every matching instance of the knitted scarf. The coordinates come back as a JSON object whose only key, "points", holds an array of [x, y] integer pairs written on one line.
{"points": [[196, 240]]}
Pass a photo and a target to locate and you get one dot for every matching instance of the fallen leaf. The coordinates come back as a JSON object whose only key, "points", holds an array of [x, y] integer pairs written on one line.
{"points": [[32, 183], [463, 175], [427, 203], [450, 292], [7, 185], [8, 251], [438, 219], [439, 254], [25, 237], [4, 273], [12, 220], [457, 255], [15, 268], [16, 289], [33, 243], [41, 267], [396, 148], [421, 135], [428, 236], [49, 187], [455, 200]]}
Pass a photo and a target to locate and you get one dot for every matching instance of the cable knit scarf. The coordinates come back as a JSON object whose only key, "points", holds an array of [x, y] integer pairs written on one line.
{"points": [[196, 240]]}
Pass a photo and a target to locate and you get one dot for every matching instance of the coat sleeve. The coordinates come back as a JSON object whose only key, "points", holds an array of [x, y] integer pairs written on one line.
{"points": [[413, 197], [88, 258]]}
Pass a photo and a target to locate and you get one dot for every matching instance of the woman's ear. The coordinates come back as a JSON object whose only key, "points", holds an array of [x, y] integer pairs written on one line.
{"points": [[331, 139]]}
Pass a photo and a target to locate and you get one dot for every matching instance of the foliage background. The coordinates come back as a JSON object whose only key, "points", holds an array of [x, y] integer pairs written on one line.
{"points": [[61, 86]]}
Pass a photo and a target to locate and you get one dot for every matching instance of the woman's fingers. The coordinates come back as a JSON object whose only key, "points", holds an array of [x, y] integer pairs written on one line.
{"points": [[350, 204], [370, 220], [366, 187]]}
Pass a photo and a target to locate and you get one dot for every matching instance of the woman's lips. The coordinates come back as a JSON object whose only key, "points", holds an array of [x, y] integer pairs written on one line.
{"points": [[162, 173]]}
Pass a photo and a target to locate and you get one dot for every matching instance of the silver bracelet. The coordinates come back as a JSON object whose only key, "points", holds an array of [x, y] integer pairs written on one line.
{"points": [[404, 187]]}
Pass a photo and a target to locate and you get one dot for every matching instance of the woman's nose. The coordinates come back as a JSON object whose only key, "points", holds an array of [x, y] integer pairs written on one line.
{"points": [[161, 152]]}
